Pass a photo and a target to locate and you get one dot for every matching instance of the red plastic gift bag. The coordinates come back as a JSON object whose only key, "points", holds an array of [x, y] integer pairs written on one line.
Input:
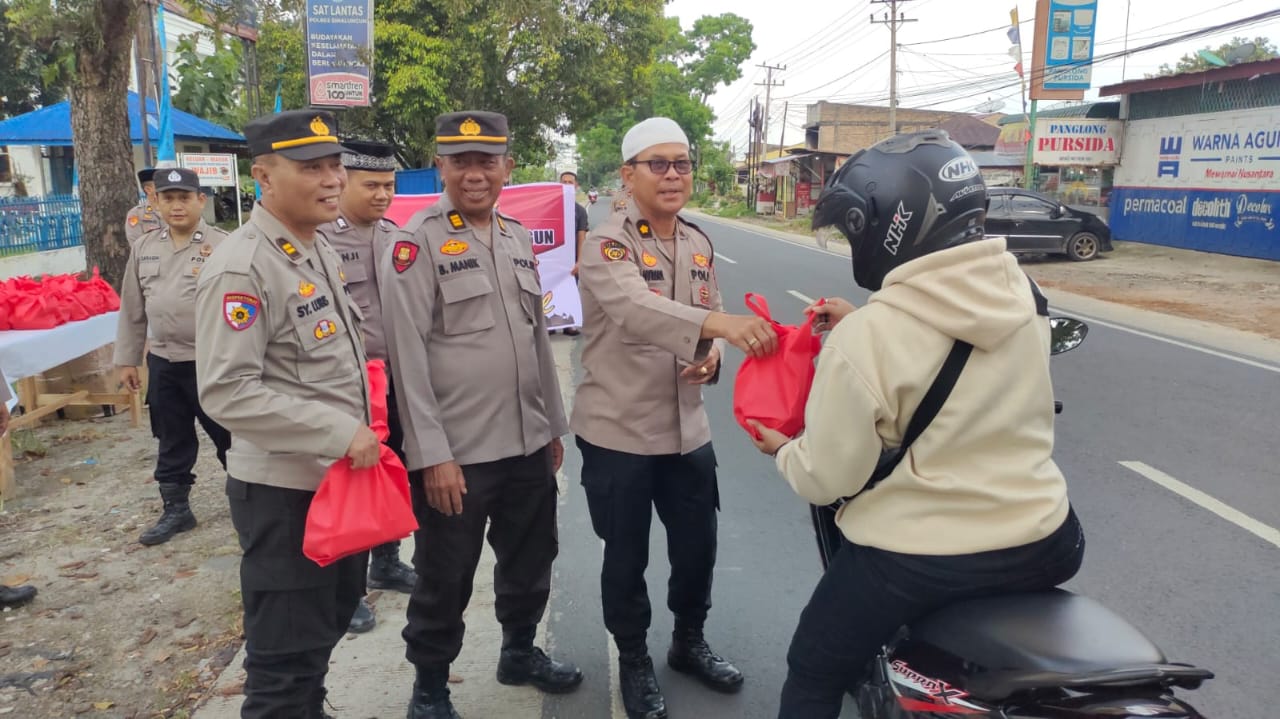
{"points": [[358, 509], [33, 312], [773, 390], [378, 399]]}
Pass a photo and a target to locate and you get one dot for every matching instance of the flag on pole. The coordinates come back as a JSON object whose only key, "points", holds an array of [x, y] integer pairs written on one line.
{"points": [[166, 150], [1015, 37]]}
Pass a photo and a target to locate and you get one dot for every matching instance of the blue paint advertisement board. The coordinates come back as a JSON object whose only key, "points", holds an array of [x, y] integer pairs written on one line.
{"points": [[340, 52], [1068, 55], [1207, 182]]}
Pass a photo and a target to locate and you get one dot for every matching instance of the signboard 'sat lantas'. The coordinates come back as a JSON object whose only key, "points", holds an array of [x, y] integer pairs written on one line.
{"points": [[340, 52], [1068, 53]]}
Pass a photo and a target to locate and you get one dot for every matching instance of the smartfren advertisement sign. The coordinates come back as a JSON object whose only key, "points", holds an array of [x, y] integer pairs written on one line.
{"points": [[1204, 182]]}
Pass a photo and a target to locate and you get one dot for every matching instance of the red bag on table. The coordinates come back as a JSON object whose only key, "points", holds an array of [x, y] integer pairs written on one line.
{"points": [[33, 311], [100, 292], [358, 509], [773, 390]]}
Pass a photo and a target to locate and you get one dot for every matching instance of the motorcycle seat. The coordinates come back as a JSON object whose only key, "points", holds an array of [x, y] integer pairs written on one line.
{"points": [[1053, 631]]}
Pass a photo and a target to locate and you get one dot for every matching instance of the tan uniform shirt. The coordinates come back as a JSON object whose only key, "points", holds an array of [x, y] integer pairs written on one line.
{"points": [[475, 375], [279, 362], [359, 247], [643, 305], [142, 219], [158, 291]]}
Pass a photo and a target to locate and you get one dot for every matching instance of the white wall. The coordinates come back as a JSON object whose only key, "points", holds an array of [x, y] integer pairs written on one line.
{"points": [[175, 26], [25, 161], [53, 262]]}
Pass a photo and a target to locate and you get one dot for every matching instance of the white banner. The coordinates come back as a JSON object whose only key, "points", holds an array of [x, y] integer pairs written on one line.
{"points": [[1077, 141], [213, 170], [1220, 150]]}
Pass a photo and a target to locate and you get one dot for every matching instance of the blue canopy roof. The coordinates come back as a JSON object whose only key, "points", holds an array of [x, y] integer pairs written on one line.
{"points": [[52, 126]]}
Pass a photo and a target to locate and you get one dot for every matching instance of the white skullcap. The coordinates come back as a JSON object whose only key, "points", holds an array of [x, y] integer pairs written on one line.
{"points": [[646, 134]]}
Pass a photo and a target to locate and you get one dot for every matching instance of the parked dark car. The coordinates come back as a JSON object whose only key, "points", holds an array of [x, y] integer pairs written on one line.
{"points": [[1037, 224]]}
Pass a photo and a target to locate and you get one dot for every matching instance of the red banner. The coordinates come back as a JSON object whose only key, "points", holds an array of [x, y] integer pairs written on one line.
{"points": [[546, 209]]}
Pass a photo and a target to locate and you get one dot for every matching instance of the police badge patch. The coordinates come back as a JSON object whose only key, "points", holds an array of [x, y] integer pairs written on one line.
{"points": [[240, 310], [613, 250], [403, 255]]}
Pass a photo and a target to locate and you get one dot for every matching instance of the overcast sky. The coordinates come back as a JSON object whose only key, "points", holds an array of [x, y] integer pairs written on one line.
{"points": [[832, 51]]}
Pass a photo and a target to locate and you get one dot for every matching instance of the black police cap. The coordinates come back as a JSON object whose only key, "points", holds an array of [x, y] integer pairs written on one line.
{"points": [[296, 134], [471, 131], [176, 178]]}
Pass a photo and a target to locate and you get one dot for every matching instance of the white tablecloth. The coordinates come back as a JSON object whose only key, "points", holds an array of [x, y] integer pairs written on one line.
{"points": [[24, 353]]}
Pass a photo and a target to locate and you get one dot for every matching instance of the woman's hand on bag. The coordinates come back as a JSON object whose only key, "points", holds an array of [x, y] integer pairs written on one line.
{"points": [[444, 485], [770, 440], [828, 312], [704, 371]]}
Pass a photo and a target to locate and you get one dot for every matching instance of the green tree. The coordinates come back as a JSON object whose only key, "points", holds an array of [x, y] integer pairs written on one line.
{"points": [[689, 66], [90, 41], [1263, 49], [31, 77], [210, 87], [715, 172]]}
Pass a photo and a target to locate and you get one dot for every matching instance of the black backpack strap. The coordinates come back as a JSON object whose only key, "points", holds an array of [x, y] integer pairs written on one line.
{"points": [[928, 409], [1042, 302]]}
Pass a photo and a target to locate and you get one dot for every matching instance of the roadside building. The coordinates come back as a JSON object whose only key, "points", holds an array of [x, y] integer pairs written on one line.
{"points": [[1200, 160], [1076, 151]]}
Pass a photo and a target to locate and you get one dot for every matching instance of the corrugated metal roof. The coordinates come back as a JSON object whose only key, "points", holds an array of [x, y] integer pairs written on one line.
{"points": [[52, 126], [1095, 110]]}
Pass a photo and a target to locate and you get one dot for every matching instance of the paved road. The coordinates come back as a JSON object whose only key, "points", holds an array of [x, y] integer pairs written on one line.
{"points": [[1203, 588]]}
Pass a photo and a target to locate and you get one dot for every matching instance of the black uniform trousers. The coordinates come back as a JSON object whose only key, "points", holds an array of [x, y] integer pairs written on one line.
{"points": [[517, 497], [622, 491], [295, 611], [867, 594], [175, 408]]}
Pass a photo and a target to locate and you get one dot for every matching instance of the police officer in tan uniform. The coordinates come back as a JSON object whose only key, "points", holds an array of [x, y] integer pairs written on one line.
{"points": [[652, 309], [477, 391], [360, 235], [142, 217], [158, 293], [281, 364]]}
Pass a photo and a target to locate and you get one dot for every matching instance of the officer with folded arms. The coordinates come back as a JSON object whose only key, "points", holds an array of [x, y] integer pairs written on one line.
{"points": [[281, 364], [652, 308], [478, 395], [157, 297]]}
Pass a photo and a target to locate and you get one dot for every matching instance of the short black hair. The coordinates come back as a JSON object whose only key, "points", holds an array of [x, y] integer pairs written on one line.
{"points": [[568, 172]]}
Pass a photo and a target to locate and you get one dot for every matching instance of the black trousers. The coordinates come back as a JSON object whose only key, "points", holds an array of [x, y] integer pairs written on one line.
{"points": [[517, 498], [295, 611], [175, 409], [622, 491], [866, 594]]}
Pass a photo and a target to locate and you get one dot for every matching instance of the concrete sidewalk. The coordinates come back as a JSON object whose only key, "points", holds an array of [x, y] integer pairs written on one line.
{"points": [[369, 677]]}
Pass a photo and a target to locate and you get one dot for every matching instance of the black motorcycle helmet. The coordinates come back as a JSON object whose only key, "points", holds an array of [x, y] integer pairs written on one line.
{"points": [[901, 199]]}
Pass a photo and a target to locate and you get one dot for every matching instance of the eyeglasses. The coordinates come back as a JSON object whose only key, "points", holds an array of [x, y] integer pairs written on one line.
{"points": [[659, 166]]}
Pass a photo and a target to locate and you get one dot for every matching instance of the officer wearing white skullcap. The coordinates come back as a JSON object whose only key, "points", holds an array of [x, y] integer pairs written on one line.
{"points": [[655, 330]]}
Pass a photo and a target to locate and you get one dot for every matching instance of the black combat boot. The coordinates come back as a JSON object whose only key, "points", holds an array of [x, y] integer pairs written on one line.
{"points": [[641, 696], [14, 597], [386, 571], [363, 620], [690, 654], [522, 663], [431, 695], [177, 515]]}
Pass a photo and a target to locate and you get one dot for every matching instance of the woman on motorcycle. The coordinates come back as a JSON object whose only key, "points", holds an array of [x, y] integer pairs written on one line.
{"points": [[977, 505]]}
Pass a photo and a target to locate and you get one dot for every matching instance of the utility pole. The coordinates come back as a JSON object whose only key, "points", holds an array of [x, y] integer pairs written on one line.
{"points": [[893, 19], [768, 84]]}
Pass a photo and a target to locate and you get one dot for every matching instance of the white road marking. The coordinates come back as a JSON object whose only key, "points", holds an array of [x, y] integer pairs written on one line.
{"points": [[1179, 343], [802, 297], [1235, 516], [727, 259]]}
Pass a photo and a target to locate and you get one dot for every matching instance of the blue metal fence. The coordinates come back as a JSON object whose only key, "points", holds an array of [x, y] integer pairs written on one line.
{"points": [[36, 224]]}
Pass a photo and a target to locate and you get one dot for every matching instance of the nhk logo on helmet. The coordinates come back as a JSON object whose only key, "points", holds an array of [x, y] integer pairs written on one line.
{"points": [[897, 228], [958, 170]]}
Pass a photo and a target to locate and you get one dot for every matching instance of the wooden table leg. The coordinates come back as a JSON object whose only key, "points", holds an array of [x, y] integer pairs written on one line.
{"points": [[7, 485]]}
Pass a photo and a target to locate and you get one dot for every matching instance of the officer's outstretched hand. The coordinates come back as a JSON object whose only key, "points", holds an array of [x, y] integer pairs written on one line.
{"points": [[445, 485], [748, 333], [364, 449]]}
